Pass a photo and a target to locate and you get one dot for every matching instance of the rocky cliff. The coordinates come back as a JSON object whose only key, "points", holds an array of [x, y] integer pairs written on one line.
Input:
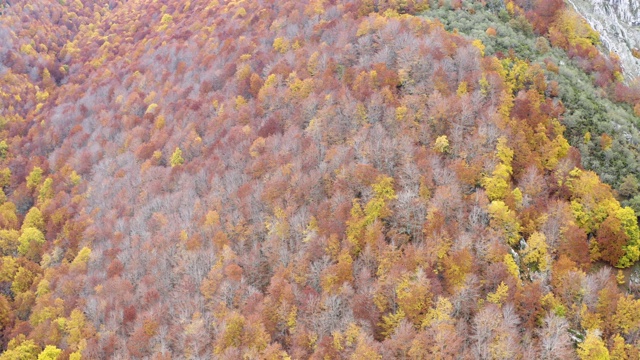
{"points": [[618, 22]]}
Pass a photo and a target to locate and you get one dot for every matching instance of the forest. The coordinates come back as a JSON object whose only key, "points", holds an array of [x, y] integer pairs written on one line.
{"points": [[318, 179]]}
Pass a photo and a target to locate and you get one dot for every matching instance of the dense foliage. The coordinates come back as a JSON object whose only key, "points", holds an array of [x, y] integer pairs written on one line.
{"points": [[321, 179], [599, 113]]}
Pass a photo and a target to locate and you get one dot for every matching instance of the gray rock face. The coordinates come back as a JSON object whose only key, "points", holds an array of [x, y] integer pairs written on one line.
{"points": [[618, 22]]}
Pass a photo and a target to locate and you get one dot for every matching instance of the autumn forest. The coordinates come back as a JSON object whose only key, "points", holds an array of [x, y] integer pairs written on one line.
{"points": [[361, 179]]}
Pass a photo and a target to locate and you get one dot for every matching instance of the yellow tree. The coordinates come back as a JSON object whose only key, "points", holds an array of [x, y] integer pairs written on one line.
{"points": [[414, 297], [505, 220], [627, 315], [34, 178], [33, 219], [8, 241], [20, 349], [592, 203], [535, 255], [497, 185], [30, 242], [593, 348], [375, 209], [176, 158], [49, 353]]}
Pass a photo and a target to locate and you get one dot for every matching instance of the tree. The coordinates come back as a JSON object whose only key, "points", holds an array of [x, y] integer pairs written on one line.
{"points": [[439, 339], [30, 242], [414, 297], [610, 241], [627, 314], [46, 190], [545, 13], [619, 348], [176, 158], [233, 333], [529, 305], [78, 329], [9, 242], [33, 219], [574, 245], [80, 261], [20, 349], [23, 280], [494, 333], [49, 353], [554, 338], [535, 255], [441, 145], [504, 219], [8, 217], [629, 223], [365, 349], [629, 187], [500, 295], [374, 209], [593, 348], [6, 318], [34, 178], [4, 147], [592, 200]]}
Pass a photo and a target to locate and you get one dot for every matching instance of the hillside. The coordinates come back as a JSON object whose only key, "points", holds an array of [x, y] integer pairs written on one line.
{"points": [[315, 179], [618, 23]]}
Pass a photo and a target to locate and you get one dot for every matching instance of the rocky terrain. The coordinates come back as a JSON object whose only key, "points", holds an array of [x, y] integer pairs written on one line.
{"points": [[618, 22]]}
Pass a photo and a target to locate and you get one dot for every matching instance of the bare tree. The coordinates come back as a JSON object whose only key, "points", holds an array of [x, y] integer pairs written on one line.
{"points": [[555, 342]]}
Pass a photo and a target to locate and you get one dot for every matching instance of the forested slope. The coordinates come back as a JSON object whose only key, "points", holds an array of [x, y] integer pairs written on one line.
{"points": [[272, 180]]}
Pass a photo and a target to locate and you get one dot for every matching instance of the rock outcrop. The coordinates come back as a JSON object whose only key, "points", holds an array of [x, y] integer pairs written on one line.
{"points": [[618, 22]]}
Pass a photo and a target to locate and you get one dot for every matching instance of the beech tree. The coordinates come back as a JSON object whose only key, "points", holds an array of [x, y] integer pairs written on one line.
{"points": [[29, 243], [361, 182], [593, 347], [555, 338], [176, 158]]}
